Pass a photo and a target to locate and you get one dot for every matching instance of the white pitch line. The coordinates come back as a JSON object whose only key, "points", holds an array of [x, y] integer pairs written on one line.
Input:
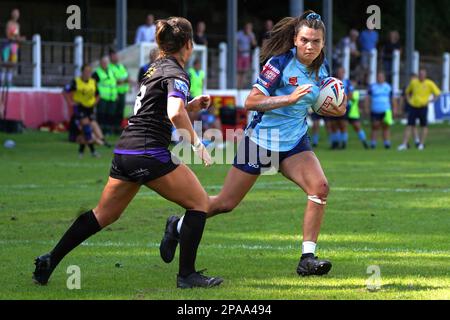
{"points": [[232, 247], [277, 185], [281, 185]]}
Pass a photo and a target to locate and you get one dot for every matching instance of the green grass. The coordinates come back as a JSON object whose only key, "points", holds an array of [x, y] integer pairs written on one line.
{"points": [[386, 208]]}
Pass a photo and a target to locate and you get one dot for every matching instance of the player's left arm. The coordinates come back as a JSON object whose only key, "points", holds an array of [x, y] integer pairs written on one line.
{"points": [[335, 111], [199, 103]]}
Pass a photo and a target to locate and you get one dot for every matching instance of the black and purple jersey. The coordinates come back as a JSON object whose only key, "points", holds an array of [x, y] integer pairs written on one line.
{"points": [[149, 130]]}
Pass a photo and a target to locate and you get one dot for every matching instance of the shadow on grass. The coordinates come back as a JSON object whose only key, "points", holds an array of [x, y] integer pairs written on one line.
{"points": [[390, 287]]}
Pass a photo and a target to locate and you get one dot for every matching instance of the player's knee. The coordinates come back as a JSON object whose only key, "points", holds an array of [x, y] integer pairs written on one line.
{"points": [[227, 205], [219, 205], [321, 189]]}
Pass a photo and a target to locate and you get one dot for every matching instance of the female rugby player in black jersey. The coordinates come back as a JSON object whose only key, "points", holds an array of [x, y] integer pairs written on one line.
{"points": [[142, 158]]}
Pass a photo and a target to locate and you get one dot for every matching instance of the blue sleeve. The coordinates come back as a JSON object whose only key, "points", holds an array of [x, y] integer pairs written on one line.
{"points": [[369, 91], [269, 78]]}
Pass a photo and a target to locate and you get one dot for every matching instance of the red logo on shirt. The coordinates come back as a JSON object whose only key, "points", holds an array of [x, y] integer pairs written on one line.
{"points": [[293, 81]]}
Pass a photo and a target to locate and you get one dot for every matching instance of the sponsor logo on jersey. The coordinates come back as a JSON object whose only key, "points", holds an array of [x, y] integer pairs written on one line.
{"points": [[293, 81], [182, 87], [150, 72], [265, 84], [270, 73]]}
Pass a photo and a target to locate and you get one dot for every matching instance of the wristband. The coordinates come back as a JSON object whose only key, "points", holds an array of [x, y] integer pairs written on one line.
{"points": [[197, 144]]}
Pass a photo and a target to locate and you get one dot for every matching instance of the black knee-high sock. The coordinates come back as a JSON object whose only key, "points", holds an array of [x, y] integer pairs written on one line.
{"points": [[91, 147], [190, 235], [84, 226], [81, 148]]}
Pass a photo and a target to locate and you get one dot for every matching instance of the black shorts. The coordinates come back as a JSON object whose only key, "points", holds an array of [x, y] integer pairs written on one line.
{"points": [[374, 116], [418, 113], [140, 168], [83, 112], [353, 120]]}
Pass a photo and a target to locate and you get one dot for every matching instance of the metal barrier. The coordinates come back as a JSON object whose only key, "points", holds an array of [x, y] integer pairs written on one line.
{"points": [[52, 64]]}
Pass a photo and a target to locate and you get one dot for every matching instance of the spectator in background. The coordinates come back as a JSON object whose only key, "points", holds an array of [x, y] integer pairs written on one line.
{"points": [[350, 41], [10, 49], [265, 34], [339, 125], [392, 44], [153, 55], [200, 35], [146, 32], [380, 102], [197, 78], [107, 89], [246, 41], [82, 94], [123, 81], [406, 107], [368, 40], [418, 95]]}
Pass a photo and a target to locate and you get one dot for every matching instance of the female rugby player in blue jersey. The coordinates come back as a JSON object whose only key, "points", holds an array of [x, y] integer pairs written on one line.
{"points": [[142, 158], [287, 86]]}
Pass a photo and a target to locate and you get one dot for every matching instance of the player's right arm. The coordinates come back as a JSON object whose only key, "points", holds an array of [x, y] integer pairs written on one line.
{"points": [[179, 117], [262, 97], [258, 101]]}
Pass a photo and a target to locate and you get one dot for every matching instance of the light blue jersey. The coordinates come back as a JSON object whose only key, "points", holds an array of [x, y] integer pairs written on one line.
{"points": [[381, 94], [282, 129]]}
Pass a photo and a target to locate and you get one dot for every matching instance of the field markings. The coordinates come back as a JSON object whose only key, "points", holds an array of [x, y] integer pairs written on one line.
{"points": [[154, 245], [276, 185]]}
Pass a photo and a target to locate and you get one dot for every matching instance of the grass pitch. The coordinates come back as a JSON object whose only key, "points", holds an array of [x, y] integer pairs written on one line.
{"points": [[386, 209]]}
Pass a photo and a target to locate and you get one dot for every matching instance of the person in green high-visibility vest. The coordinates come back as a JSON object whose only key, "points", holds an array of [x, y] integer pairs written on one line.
{"points": [[339, 135], [123, 86], [107, 88], [197, 78], [354, 117]]}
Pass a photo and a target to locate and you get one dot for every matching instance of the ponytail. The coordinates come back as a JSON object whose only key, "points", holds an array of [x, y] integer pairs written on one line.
{"points": [[281, 39], [172, 34], [283, 33]]}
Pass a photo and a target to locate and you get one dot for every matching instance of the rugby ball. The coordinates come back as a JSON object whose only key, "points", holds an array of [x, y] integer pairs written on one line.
{"points": [[331, 92]]}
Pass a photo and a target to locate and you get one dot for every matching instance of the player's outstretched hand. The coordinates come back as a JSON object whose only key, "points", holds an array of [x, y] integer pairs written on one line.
{"points": [[199, 103], [299, 92], [335, 111]]}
